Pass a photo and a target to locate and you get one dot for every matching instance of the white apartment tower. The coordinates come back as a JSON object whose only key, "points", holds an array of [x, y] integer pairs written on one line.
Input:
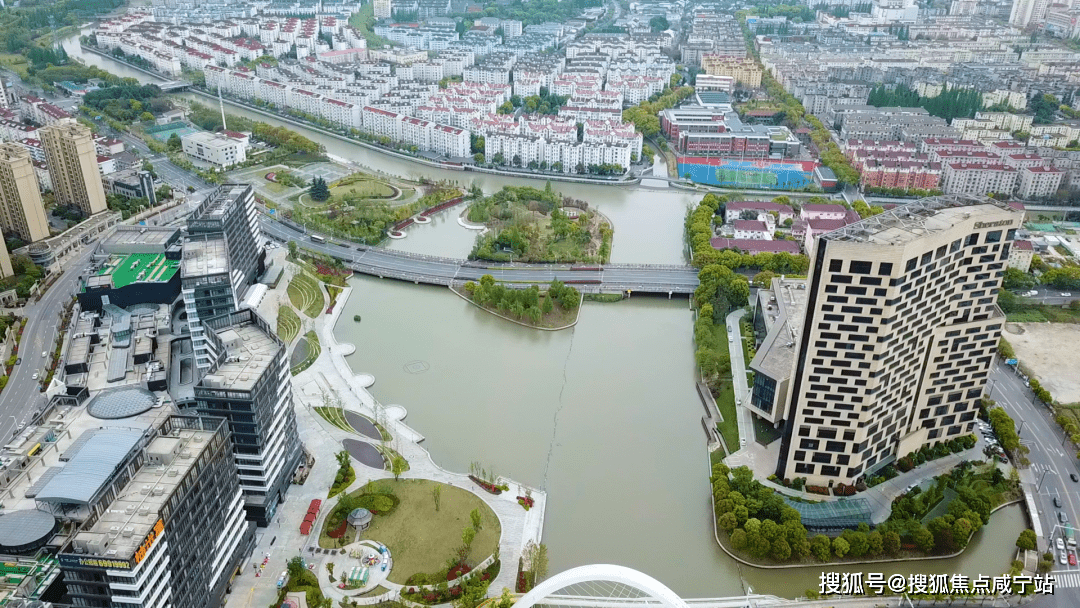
{"points": [[1028, 12], [898, 337], [383, 9]]}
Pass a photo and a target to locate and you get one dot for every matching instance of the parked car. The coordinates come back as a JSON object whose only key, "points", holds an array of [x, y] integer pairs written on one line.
{"points": [[1064, 559], [1057, 503], [18, 361], [1062, 518], [1060, 544], [1072, 559], [1066, 294], [1074, 477]]}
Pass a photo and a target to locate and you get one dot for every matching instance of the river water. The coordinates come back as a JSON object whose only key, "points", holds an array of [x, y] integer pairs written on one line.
{"points": [[603, 416]]}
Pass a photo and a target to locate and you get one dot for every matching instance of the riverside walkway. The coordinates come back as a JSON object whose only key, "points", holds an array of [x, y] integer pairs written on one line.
{"points": [[432, 270]]}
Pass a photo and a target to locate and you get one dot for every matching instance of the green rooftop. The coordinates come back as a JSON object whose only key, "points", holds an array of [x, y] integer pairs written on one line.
{"points": [[140, 268]]}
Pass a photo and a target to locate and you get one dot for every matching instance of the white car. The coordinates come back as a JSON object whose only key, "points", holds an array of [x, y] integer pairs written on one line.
{"points": [[1063, 557], [1066, 294], [1060, 544], [34, 377]]}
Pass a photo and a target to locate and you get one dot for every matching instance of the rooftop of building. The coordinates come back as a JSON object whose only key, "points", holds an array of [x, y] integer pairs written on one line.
{"points": [[783, 306], [914, 220], [204, 255], [124, 270], [249, 352], [121, 531]]}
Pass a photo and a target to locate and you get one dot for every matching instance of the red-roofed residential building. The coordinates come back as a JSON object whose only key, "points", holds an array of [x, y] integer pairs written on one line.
{"points": [[1020, 255], [818, 227], [979, 179], [751, 229], [823, 212], [1038, 182], [763, 209]]}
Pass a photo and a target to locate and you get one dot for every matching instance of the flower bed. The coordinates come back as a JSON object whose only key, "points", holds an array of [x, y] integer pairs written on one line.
{"points": [[818, 490], [489, 487], [843, 490], [339, 531], [457, 571], [526, 501]]}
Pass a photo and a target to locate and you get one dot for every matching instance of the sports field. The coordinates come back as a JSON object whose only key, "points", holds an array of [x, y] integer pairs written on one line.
{"points": [[180, 130]]}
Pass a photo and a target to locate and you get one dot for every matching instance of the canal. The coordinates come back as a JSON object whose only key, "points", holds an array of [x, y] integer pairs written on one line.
{"points": [[603, 416]]}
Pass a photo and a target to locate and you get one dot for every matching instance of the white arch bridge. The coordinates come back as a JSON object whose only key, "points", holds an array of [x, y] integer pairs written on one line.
{"points": [[609, 586]]}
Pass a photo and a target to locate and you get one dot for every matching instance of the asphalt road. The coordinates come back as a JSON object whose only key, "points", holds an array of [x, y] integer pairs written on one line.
{"points": [[176, 177], [22, 397], [1051, 465], [1053, 295], [375, 259]]}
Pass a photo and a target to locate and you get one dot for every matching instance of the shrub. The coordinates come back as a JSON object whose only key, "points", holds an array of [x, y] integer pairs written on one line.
{"points": [[376, 503]]}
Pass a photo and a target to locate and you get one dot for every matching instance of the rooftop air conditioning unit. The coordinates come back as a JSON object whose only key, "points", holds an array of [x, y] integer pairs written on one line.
{"points": [[185, 454], [111, 553], [128, 532], [145, 490], [130, 510], [158, 491], [144, 511], [173, 472], [115, 529]]}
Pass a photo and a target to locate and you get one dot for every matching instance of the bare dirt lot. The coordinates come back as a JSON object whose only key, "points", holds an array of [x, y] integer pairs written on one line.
{"points": [[1048, 350]]}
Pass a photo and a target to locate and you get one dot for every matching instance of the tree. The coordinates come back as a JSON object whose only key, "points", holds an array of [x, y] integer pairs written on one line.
{"points": [[890, 542], [738, 539], [146, 117], [727, 522], [781, 550], [821, 547], [506, 108], [474, 515], [436, 495], [398, 465], [1017, 279], [840, 546], [658, 24], [165, 191], [319, 190], [478, 158], [292, 249], [174, 142], [539, 560], [924, 540], [467, 537], [1026, 540]]}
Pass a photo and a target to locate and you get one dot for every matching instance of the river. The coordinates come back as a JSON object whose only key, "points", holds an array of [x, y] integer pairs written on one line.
{"points": [[603, 416]]}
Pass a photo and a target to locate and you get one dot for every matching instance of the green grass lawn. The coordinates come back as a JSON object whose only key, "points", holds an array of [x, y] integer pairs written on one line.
{"points": [[288, 323], [16, 63], [368, 188], [306, 295], [725, 401], [334, 416], [422, 539]]}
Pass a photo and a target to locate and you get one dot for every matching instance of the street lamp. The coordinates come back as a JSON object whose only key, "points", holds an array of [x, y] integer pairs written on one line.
{"points": [[990, 394], [1041, 479]]}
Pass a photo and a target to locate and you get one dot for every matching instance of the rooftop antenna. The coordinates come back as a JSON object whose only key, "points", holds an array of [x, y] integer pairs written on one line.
{"points": [[221, 104]]}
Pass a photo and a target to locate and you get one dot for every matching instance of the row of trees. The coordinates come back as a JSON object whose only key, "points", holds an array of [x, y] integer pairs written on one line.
{"points": [[537, 11], [645, 114], [127, 103], [951, 103]]}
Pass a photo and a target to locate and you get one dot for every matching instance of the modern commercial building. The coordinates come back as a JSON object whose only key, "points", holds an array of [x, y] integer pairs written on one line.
{"points": [[222, 256], [897, 339], [132, 183], [214, 148], [21, 210], [169, 526], [71, 156], [249, 384]]}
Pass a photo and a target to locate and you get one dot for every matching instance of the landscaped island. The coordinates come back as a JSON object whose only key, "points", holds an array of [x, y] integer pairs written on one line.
{"points": [[357, 211], [531, 225], [555, 308]]}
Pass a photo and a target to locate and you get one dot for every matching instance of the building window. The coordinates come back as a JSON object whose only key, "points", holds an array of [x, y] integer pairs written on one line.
{"points": [[860, 267]]}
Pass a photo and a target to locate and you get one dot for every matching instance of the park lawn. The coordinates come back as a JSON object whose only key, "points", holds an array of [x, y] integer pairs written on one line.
{"points": [[365, 188], [422, 539], [314, 349], [288, 323], [725, 401], [16, 63]]}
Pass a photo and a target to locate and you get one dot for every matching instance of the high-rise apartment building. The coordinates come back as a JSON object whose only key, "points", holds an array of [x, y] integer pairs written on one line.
{"points": [[898, 336], [173, 532], [73, 169], [250, 385], [383, 9], [21, 210], [1028, 12], [223, 255]]}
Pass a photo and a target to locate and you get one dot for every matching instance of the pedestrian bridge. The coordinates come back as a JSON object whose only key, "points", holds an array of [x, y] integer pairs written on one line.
{"points": [[434, 270], [609, 586]]}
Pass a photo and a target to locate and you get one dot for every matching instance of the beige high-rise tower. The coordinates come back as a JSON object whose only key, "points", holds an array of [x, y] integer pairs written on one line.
{"points": [[73, 169], [21, 210]]}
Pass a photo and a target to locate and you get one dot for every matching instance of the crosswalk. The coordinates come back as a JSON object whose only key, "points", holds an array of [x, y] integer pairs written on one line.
{"points": [[1039, 468], [1066, 578]]}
